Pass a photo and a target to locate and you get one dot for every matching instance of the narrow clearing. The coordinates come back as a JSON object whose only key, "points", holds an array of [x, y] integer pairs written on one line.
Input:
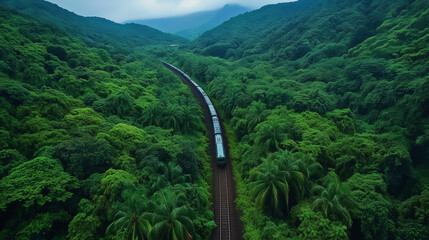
{"points": [[226, 216]]}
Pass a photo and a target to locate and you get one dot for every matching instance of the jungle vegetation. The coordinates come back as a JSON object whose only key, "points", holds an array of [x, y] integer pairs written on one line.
{"points": [[91, 140], [94, 31], [327, 103]]}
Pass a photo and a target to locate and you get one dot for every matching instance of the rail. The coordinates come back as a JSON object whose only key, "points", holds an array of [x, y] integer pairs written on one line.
{"points": [[225, 215], [225, 226]]}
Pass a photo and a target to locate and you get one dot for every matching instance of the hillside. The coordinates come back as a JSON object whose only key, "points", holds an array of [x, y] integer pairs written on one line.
{"points": [[88, 135], [293, 30], [328, 101], [324, 104], [192, 25], [94, 31]]}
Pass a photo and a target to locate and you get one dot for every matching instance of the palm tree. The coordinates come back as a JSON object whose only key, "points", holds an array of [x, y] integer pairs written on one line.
{"points": [[269, 186], [217, 88], [122, 103], [130, 217], [293, 168], [172, 175], [152, 115], [269, 136], [173, 117], [230, 98], [273, 180], [334, 198], [171, 218], [257, 113], [191, 120], [307, 165]]}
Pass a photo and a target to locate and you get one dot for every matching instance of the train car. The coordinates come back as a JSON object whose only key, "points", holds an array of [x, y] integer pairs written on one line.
{"points": [[194, 83], [212, 111], [220, 152], [201, 91], [216, 125], [208, 101]]}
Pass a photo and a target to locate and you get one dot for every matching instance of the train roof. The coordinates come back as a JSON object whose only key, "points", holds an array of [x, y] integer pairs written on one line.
{"points": [[220, 153], [212, 110]]}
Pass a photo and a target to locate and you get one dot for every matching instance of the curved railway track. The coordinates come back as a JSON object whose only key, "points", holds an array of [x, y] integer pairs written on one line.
{"points": [[226, 217]]}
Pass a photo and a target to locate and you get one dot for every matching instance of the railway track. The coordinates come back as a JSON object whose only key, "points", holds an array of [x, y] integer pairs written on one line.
{"points": [[224, 220], [226, 217]]}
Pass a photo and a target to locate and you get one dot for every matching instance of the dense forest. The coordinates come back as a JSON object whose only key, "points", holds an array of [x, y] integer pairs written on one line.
{"points": [[326, 105], [329, 104], [88, 136], [94, 31]]}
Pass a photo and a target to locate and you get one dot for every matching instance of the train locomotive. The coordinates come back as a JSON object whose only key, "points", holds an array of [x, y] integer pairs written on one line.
{"points": [[220, 150]]}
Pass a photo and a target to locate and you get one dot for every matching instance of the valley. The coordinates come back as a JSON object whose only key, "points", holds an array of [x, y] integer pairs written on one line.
{"points": [[324, 107]]}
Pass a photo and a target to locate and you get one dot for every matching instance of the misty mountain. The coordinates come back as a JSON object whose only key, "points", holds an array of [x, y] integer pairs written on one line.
{"points": [[192, 25], [302, 29], [94, 31]]}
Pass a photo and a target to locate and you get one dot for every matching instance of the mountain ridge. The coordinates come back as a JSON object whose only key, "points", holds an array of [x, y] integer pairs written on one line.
{"points": [[284, 29], [92, 30], [192, 25]]}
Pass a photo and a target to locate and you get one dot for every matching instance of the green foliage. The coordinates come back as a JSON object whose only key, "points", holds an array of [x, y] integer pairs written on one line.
{"points": [[35, 75], [28, 143], [125, 138], [82, 157], [181, 118], [84, 117], [172, 175], [59, 103], [343, 83], [114, 182], [376, 215], [41, 226], [83, 226], [171, 218], [269, 136], [312, 83], [97, 32], [120, 104], [15, 94], [9, 159], [38, 181], [363, 184], [417, 207], [71, 96], [4, 139], [354, 154], [312, 225], [334, 200], [376, 219], [131, 220], [344, 120], [272, 231], [273, 181], [413, 217], [188, 160]]}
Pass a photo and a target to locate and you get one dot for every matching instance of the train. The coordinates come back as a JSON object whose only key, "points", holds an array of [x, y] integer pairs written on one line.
{"points": [[217, 132]]}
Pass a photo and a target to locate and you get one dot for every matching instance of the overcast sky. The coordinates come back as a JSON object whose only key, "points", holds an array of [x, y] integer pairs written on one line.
{"points": [[122, 10]]}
